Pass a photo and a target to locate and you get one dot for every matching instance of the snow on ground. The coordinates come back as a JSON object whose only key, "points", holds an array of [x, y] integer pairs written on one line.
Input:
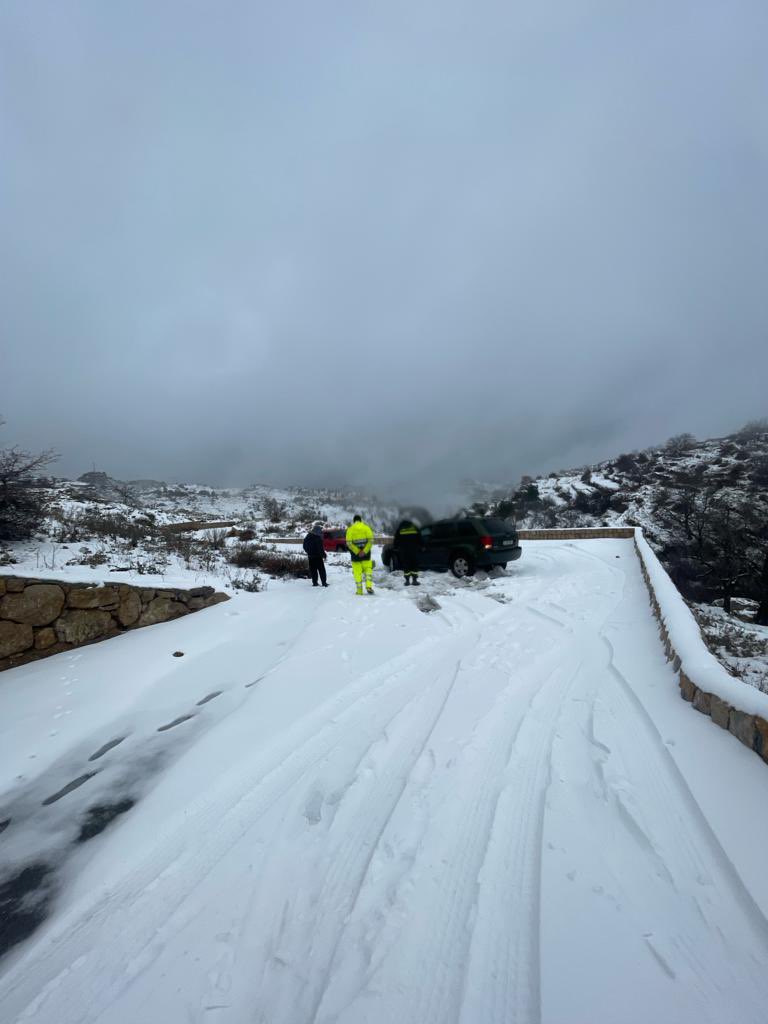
{"points": [[735, 640], [500, 811]]}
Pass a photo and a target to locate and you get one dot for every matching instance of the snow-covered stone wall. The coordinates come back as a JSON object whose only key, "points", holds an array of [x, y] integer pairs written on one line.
{"points": [[577, 533], [42, 617], [731, 704]]}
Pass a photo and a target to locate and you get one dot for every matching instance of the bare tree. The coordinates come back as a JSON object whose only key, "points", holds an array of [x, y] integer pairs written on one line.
{"points": [[22, 501], [127, 495]]}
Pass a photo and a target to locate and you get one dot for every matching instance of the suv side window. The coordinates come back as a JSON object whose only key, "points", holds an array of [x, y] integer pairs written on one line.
{"points": [[444, 531], [466, 529]]}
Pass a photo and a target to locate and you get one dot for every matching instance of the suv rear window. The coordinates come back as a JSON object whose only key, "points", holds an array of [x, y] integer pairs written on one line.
{"points": [[496, 527]]}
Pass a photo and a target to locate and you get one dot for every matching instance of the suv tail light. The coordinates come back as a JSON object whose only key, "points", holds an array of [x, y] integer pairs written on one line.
{"points": [[486, 542]]}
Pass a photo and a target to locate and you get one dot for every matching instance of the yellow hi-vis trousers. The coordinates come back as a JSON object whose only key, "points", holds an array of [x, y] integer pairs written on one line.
{"points": [[358, 570]]}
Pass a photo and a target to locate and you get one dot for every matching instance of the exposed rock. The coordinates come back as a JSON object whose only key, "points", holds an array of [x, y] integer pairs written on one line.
{"points": [[146, 594], [15, 637], [687, 688], [201, 592], [2, 586], [761, 738], [196, 603], [742, 726], [130, 609], [216, 599], [82, 625], [14, 585], [37, 605], [161, 609], [92, 597], [44, 638], [720, 711], [702, 701]]}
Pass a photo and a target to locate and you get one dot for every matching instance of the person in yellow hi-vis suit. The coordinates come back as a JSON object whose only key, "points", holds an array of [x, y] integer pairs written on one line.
{"points": [[360, 542]]}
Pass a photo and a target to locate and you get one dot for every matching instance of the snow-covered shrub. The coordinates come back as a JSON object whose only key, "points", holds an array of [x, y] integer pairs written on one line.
{"points": [[276, 563]]}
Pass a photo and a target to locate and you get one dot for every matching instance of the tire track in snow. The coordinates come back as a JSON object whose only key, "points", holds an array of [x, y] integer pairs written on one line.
{"points": [[304, 928], [446, 821], [360, 870], [502, 983], [682, 817]]}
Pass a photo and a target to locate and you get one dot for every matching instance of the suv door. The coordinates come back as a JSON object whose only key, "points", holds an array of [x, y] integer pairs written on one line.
{"points": [[438, 544]]}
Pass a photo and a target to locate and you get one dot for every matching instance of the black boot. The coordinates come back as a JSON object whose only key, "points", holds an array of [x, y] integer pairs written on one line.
{"points": [[415, 581], [407, 580]]}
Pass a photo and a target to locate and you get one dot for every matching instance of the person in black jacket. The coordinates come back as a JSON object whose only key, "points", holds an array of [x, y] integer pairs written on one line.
{"points": [[407, 549], [313, 545]]}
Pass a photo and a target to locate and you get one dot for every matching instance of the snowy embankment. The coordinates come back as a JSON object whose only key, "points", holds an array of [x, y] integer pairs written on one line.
{"points": [[346, 810], [696, 661]]}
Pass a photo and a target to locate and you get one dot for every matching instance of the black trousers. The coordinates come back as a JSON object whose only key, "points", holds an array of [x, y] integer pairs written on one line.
{"points": [[409, 560], [317, 566]]}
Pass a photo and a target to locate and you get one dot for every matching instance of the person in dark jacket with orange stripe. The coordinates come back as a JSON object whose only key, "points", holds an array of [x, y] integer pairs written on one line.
{"points": [[407, 548], [313, 545]]}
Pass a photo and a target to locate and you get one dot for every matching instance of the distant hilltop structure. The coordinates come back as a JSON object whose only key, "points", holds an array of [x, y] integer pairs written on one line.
{"points": [[97, 479]]}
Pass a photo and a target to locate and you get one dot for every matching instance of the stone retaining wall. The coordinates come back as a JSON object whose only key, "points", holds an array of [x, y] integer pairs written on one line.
{"points": [[626, 532], [43, 617], [749, 729]]}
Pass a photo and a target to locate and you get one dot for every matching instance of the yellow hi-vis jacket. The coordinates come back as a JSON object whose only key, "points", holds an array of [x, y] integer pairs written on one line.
{"points": [[360, 541]]}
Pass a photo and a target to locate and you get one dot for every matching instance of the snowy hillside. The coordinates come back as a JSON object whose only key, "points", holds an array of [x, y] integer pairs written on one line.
{"points": [[98, 526]]}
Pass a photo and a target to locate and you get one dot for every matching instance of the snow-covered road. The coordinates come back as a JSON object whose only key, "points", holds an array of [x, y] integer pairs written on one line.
{"points": [[500, 811]]}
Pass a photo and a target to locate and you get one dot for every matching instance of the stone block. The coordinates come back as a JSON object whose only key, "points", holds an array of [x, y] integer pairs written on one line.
{"points": [[80, 626], [196, 603], [161, 609], [761, 737], [702, 701], [14, 585], [146, 594], [2, 586], [130, 609], [216, 599], [742, 726], [687, 688], [37, 605], [92, 597], [44, 638], [720, 711], [201, 592], [15, 637]]}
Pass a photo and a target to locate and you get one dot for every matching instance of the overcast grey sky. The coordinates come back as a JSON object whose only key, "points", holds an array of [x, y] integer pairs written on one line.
{"points": [[392, 244]]}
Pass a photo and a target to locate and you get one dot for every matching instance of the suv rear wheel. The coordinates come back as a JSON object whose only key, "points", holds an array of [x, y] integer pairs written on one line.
{"points": [[461, 564]]}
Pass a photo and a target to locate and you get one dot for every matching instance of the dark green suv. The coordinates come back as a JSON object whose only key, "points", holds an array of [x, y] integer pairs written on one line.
{"points": [[462, 545]]}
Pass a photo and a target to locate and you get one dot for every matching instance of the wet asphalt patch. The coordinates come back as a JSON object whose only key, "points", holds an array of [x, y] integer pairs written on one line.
{"points": [[28, 890], [25, 899], [100, 815]]}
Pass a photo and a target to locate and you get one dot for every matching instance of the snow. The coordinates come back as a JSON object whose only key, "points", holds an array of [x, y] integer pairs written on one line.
{"points": [[698, 663], [500, 811], [179, 577]]}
